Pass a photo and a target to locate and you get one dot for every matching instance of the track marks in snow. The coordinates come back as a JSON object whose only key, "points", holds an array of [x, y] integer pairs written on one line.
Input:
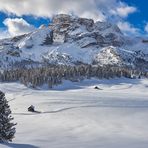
{"points": [[102, 104], [115, 87]]}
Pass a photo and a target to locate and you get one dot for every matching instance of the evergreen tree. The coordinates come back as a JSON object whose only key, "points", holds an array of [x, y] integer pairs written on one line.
{"points": [[7, 129]]}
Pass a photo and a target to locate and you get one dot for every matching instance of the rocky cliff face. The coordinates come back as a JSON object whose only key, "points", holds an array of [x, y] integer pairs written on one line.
{"points": [[73, 29], [70, 40]]}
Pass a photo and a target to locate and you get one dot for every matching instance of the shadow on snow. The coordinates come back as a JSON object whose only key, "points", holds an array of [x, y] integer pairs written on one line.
{"points": [[18, 145]]}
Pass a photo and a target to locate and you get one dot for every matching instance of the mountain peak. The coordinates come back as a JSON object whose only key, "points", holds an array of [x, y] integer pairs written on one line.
{"points": [[69, 40]]}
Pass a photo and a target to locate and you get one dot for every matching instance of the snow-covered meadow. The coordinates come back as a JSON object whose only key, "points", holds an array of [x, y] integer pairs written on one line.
{"points": [[75, 115]]}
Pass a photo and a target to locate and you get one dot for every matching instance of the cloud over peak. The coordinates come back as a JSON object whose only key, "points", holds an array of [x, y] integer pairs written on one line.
{"points": [[127, 28], [96, 9], [99, 10], [17, 26], [123, 10]]}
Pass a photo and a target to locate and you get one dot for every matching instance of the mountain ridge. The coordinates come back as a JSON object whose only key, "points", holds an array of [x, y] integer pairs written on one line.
{"points": [[70, 40]]}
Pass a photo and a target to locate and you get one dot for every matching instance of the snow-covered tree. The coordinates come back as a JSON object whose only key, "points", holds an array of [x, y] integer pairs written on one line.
{"points": [[7, 129]]}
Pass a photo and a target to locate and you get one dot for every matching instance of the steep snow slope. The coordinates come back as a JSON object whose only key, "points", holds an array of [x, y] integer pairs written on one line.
{"points": [[77, 115], [70, 40], [35, 38]]}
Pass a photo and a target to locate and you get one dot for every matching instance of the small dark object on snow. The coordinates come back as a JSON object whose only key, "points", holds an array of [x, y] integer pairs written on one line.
{"points": [[96, 87], [31, 108]]}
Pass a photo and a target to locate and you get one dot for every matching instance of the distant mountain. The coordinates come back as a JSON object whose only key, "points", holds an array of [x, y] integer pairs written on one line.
{"points": [[70, 40]]}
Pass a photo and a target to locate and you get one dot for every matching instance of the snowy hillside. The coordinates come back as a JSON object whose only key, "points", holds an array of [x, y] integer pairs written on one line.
{"points": [[75, 115], [68, 40]]}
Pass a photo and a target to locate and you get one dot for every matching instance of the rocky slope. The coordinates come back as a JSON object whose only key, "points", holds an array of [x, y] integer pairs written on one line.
{"points": [[72, 40]]}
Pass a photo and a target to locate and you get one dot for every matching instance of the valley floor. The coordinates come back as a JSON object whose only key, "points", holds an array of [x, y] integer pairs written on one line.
{"points": [[75, 115]]}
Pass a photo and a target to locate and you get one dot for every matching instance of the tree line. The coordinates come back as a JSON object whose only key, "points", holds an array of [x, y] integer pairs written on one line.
{"points": [[55, 74]]}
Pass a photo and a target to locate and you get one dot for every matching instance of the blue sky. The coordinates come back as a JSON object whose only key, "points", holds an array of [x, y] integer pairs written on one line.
{"points": [[130, 15], [139, 18], [36, 21]]}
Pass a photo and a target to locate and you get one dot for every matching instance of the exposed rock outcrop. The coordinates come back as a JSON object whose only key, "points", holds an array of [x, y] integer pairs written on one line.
{"points": [[68, 28]]}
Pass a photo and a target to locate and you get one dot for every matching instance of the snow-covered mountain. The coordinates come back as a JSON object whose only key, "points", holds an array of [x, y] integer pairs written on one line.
{"points": [[72, 40]]}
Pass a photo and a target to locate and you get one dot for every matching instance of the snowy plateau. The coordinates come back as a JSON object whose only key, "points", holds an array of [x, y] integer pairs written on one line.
{"points": [[74, 114]]}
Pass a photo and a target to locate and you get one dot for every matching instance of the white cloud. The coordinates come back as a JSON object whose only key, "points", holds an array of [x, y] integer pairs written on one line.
{"points": [[17, 26], [96, 9], [101, 10], [123, 10], [128, 28], [146, 28]]}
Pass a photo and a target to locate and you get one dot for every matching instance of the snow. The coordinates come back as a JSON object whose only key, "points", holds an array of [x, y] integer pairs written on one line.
{"points": [[108, 55], [72, 50], [77, 115], [86, 41], [31, 45], [35, 38], [75, 44], [31, 48], [79, 31]]}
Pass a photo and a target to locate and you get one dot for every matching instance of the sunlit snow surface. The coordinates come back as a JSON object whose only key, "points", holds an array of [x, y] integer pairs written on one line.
{"points": [[75, 115]]}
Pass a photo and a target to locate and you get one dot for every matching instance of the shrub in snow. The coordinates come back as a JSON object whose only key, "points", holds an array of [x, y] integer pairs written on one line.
{"points": [[7, 129]]}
